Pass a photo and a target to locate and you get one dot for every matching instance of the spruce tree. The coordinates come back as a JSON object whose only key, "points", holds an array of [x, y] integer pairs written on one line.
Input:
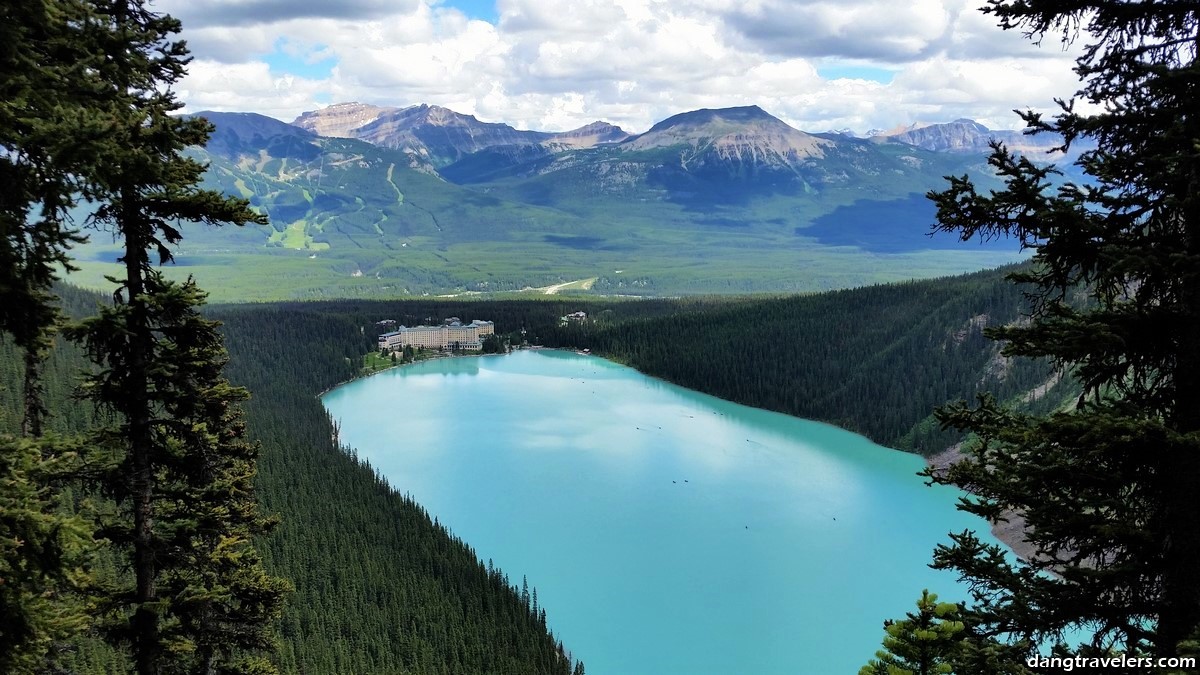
{"points": [[42, 552], [222, 603], [925, 643], [179, 473], [1107, 489], [44, 132]]}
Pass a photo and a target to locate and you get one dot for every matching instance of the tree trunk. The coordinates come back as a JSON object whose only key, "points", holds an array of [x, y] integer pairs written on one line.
{"points": [[35, 409], [1181, 574], [140, 345]]}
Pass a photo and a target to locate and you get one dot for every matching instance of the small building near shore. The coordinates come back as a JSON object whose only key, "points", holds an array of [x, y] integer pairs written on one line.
{"points": [[574, 316], [453, 334]]}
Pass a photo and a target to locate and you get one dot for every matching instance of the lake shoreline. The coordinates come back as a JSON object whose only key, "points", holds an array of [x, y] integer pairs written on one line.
{"points": [[1011, 531], [361, 375]]}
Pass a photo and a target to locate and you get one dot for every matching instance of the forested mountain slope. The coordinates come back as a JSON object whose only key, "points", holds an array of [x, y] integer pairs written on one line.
{"points": [[381, 587], [874, 360]]}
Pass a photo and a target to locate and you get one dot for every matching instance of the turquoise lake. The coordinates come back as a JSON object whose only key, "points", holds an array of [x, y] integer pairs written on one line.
{"points": [[665, 531]]}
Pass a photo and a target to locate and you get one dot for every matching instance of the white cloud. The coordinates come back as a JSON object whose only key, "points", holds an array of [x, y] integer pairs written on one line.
{"points": [[876, 29], [251, 87], [558, 17], [259, 12], [557, 64]]}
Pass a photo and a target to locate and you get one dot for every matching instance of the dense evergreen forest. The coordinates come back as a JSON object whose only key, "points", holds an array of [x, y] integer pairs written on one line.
{"points": [[873, 360], [380, 586]]}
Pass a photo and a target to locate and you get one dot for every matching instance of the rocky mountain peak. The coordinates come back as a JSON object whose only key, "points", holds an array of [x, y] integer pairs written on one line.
{"points": [[967, 135], [597, 127], [588, 135], [440, 135], [717, 118], [744, 133], [252, 124], [239, 133], [435, 115], [340, 120]]}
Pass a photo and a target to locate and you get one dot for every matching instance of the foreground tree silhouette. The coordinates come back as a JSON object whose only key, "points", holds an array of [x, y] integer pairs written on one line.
{"points": [[178, 469], [46, 135], [1107, 489], [210, 605], [45, 140]]}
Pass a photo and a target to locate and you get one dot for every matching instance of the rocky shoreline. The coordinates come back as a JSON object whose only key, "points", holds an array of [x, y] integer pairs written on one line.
{"points": [[1010, 531]]}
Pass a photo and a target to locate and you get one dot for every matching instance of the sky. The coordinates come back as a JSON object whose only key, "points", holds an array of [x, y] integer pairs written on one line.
{"points": [[554, 65]]}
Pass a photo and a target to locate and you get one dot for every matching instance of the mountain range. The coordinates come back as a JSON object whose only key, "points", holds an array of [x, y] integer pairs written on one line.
{"points": [[441, 136], [445, 136], [371, 200], [969, 136]]}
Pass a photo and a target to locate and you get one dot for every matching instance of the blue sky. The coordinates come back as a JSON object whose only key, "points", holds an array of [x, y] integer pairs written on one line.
{"points": [[292, 61], [851, 72], [558, 64], [476, 9]]}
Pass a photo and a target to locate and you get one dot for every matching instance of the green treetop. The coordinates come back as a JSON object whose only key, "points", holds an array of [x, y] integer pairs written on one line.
{"points": [[925, 643]]}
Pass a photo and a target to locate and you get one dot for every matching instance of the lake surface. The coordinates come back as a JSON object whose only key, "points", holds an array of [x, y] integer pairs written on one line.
{"points": [[665, 531]]}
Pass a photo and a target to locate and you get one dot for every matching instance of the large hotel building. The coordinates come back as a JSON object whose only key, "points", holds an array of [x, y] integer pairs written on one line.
{"points": [[453, 334]]}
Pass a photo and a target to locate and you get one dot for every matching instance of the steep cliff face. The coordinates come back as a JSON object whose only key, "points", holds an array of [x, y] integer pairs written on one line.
{"points": [[340, 120], [434, 135], [744, 137], [700, 157], [961, 135]]}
